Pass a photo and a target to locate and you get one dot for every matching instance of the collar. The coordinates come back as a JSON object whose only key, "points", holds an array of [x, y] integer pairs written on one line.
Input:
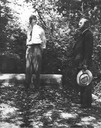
{"points": [[34, 25], [84, 30]]}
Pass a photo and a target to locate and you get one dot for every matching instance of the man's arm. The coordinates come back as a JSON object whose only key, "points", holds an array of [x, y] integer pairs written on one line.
{"points": [[88, 47], [43, 38], [28, 35]]}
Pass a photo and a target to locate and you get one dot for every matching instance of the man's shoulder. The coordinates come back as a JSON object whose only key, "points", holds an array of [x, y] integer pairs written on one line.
{"points": [[38, 26], [88, 32]]}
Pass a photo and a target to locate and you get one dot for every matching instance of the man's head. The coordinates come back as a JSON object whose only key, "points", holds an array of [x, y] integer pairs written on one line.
{"points": [[32, 19], [83, 23]]}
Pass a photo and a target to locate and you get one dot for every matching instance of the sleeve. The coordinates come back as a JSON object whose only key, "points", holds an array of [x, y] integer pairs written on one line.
{"points": [[43, 38], [28, 35], [88, 47]]}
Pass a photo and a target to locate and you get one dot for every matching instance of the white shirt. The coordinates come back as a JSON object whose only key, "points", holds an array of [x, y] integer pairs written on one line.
{"points": [[38, 36]]}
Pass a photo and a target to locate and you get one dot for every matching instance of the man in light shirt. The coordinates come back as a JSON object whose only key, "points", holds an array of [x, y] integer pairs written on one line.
{"points": [[36, 42]]}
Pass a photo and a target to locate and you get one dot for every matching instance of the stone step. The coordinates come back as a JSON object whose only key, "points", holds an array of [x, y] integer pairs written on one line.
{"points": [[45, 78]]}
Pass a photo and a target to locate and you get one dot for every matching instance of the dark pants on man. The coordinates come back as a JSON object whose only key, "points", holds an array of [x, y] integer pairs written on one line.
{"points": [[85, 94], [33, 64]]}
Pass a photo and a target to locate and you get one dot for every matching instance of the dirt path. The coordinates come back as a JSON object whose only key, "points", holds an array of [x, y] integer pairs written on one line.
{"points": [[48, 108]]}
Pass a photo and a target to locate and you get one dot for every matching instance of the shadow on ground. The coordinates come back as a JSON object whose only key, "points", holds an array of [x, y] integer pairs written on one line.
{"points": [[50, 107]]}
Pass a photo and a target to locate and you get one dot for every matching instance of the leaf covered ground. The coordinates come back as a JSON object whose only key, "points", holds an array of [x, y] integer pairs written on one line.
{"points": [[50, 107]]}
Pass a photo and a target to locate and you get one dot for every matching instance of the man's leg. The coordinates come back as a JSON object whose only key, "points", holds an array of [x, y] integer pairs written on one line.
{"points": [[28, 74], [38, 72], [89, 95], [86, 96], [37, 58], [82, 93]]}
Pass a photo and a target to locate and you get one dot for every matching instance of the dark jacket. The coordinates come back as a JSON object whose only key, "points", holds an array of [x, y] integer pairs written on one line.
{"points": [[84, 48]]}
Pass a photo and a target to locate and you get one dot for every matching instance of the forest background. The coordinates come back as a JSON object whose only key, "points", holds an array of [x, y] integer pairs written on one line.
{"points": [[60, 20]]}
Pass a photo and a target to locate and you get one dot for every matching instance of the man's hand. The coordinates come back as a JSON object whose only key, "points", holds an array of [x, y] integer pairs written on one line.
{"points": [[77, 57], [84, 67], [43, 46]]}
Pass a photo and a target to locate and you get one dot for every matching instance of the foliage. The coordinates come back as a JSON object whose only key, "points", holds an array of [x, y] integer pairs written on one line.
{"points": [[12, 39], [73, 10], [3, 22], [60, 19], [49, 107]]}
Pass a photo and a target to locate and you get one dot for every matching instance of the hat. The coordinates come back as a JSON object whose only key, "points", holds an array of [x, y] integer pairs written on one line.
{"points": [[84, 77]]}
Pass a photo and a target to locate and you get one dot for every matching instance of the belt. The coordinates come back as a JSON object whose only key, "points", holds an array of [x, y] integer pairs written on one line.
{"points": [[33, 44]]}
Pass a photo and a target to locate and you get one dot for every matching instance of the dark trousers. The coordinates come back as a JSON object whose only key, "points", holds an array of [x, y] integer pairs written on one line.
{"points": [[33, 64], [86, 95]]}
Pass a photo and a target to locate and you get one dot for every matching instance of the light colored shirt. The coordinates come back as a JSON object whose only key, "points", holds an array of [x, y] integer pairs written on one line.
{"points": [[37, 36]]}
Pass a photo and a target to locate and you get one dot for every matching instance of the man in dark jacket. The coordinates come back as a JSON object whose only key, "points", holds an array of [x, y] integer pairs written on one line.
{"points": [[83, 50]]}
